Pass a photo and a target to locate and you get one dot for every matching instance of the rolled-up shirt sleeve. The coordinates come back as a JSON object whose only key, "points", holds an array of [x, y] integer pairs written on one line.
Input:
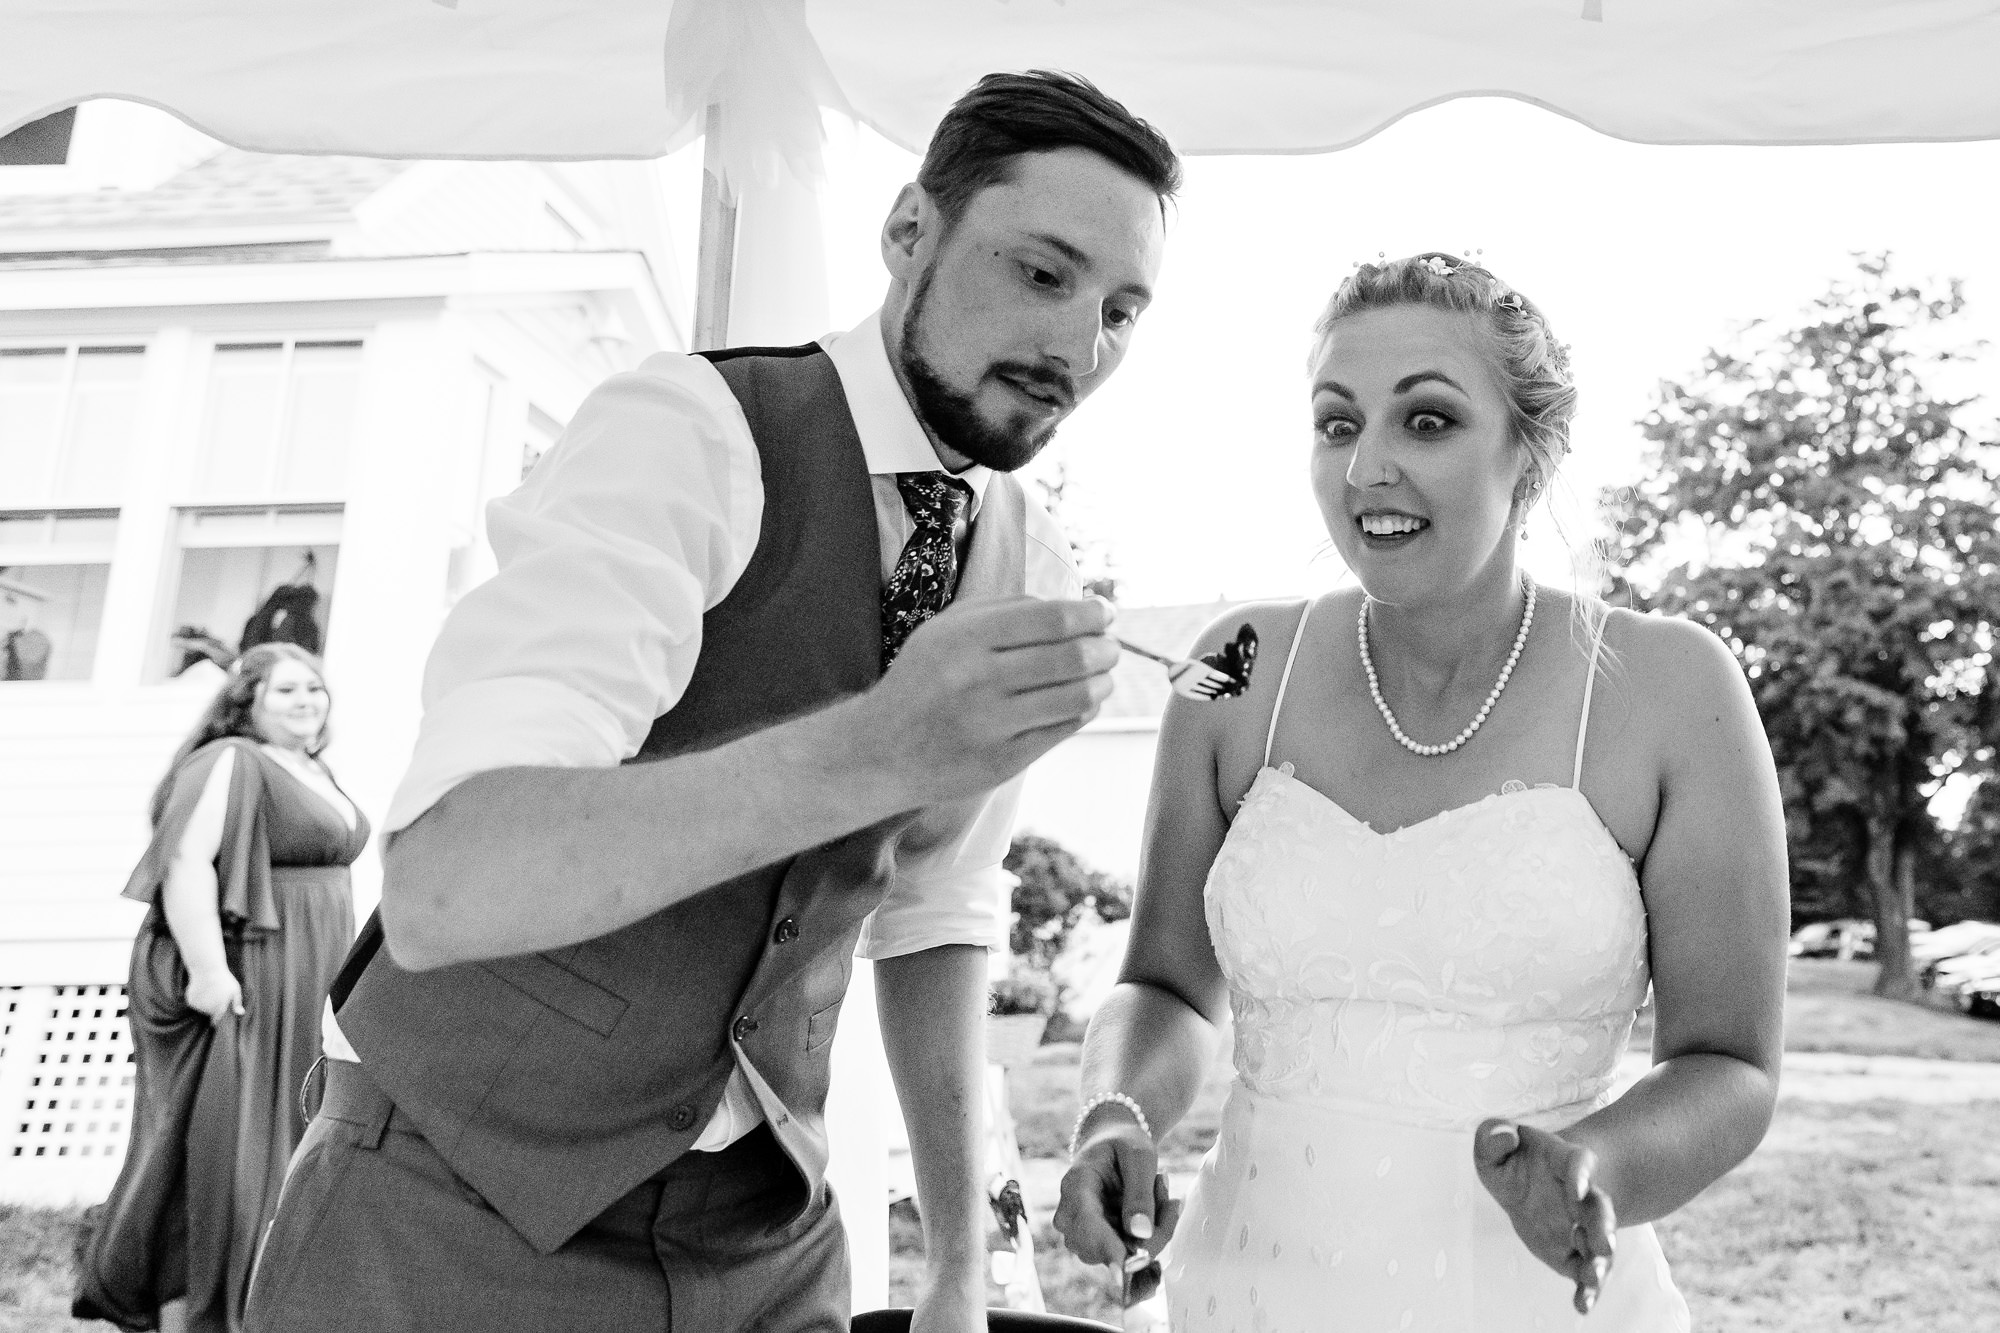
{"points": [[950, 887], [640, 519]]}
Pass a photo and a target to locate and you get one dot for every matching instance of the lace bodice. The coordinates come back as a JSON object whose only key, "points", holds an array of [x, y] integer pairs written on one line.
{"points": [[1486, 961], [1392, 990]]}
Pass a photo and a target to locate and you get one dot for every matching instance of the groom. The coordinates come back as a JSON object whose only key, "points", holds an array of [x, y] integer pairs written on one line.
{"points": [[774, 632]]}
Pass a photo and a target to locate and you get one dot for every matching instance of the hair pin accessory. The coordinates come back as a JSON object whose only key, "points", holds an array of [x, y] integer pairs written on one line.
{"points": [[1439, 266]]}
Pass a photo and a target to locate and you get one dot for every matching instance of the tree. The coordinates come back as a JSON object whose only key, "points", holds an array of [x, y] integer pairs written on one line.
{"points": [[1055, 888], [1814, 501]]}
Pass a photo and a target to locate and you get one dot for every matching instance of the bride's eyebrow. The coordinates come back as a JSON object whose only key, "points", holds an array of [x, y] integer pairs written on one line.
{"points": [[1408, 382], [1331, 386]]}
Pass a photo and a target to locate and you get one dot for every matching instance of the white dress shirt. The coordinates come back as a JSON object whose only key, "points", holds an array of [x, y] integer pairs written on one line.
{"points": [[639, 520]]}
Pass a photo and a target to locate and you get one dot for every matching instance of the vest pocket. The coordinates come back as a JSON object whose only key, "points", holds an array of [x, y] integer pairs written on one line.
{"points": [[819, 1028], [542, 979]]}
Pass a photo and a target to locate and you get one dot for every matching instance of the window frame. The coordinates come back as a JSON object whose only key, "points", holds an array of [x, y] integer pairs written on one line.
{"points": [[54, 552], [189, 494], [312, 523], [72, 348]]}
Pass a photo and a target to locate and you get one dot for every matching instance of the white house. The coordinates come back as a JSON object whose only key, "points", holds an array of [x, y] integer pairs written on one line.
{"points": [[221, 372]]}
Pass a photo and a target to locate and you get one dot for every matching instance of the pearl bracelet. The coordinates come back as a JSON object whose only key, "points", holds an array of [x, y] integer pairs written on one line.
{"points": [[1102, 1099]]}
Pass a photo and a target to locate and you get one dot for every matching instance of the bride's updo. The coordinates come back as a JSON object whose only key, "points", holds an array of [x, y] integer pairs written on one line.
{"points": [[1534, 367]]}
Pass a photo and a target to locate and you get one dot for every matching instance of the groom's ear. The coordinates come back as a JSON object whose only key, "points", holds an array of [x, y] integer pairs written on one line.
{"points": [[910, 220]]}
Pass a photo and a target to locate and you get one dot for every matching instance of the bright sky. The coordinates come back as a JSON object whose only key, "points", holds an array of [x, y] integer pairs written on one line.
{"points": [[1190, 463]]}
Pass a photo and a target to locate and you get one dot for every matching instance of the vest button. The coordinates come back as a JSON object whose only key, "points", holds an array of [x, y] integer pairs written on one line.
{"points": [[681, 1117], [743, 1027], [788, 930]]}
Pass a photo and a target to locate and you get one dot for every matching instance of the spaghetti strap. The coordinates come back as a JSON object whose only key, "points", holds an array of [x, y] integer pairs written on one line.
{"points": [[1589, 684], [1298, 636]]}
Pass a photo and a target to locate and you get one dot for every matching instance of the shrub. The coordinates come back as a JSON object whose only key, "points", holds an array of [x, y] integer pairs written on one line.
{"points": [[1022, 993]]}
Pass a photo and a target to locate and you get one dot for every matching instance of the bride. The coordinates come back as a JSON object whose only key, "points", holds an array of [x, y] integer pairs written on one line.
{"points": [[1432, 859]]}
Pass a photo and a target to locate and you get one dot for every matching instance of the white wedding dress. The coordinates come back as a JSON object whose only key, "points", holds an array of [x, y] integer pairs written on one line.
{"points": [[1391, 991]]}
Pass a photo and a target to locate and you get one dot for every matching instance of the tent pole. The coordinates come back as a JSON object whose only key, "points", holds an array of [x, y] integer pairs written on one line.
{"points": [[717, 255]]}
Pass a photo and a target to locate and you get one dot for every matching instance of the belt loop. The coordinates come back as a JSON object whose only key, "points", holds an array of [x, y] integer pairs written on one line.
{"points": [[312, 1090]]}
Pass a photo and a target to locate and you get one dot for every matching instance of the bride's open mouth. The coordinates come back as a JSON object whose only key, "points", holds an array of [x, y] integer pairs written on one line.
{"points": [[1389, 527]]}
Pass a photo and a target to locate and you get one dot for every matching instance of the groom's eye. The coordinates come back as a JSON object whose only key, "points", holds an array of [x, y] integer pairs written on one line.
{"points": [[1041, 277]]}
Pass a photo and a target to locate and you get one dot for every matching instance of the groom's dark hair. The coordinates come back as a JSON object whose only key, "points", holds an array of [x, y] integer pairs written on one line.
{"points": [[1006, 116]]}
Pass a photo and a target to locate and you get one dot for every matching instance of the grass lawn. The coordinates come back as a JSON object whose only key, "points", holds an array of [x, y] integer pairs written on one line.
{"points": [[1871, 1215], [1876, 1215], [35, 1270], [1828, 1008]]}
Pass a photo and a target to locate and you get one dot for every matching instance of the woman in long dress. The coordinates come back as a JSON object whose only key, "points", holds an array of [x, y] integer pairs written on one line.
{"points": [[251, 913], [1432, 860]]}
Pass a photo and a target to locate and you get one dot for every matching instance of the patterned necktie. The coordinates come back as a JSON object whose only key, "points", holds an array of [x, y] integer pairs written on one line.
{"points": [[926, 574]]}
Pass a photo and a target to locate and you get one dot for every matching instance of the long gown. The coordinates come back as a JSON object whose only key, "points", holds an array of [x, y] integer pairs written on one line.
{"points": [[1390, 992], [216, 1107]]}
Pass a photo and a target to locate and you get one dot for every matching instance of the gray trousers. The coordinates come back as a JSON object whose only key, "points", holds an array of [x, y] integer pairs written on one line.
{"points": [[375, 1233]]}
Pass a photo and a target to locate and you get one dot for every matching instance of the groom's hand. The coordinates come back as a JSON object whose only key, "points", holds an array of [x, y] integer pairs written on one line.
{"points": [[1544, 1182], [1114, 1205], [984, 688]]}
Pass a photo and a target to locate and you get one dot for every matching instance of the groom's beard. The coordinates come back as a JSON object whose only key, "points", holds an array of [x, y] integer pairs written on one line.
{"points": [[955, 418]]}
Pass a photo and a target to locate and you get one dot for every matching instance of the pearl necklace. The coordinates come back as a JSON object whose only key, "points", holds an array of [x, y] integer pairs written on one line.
{"points": [[1479, 718]]}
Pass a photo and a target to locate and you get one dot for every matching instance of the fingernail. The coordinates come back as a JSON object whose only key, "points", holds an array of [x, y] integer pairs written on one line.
{"points": [[1508, 1133], [1599, 1267], [1140, 1227], [1138, 1260]]}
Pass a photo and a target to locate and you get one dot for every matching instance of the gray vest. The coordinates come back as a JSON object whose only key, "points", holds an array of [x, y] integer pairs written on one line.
{"points": [[553, 1083]]}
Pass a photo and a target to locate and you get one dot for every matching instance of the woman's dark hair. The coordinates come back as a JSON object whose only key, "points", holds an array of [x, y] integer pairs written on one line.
{"points": [[1005, 116], [228, 713]]}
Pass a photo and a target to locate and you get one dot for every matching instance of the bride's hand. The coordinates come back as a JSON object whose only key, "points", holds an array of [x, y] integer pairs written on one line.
{"points": [[1114, 1206], [1545, 1184]]}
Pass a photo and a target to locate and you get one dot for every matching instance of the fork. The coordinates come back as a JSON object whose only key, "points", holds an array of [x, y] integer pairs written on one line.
{"points": [[1190, 679]]}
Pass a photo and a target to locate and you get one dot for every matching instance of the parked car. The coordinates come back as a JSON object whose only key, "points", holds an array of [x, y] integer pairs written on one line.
{"points": [[1849, 937], [1976, 964], [1846, 938], [1853, 937], [1981, 999], [1950, 941], [1929, 970]]}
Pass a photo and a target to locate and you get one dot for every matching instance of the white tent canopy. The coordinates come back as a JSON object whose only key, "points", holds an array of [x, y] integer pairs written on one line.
{"points": [[630, 78], [640, 78]]}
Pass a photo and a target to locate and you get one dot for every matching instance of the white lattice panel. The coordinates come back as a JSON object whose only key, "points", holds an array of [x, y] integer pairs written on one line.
{"points": [[65, 1092]]}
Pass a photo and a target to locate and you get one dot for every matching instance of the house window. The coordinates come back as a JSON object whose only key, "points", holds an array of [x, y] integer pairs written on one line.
{"points": [[40, 143], [68, 416], [279, 420], [54, 567], [248, 575]]}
